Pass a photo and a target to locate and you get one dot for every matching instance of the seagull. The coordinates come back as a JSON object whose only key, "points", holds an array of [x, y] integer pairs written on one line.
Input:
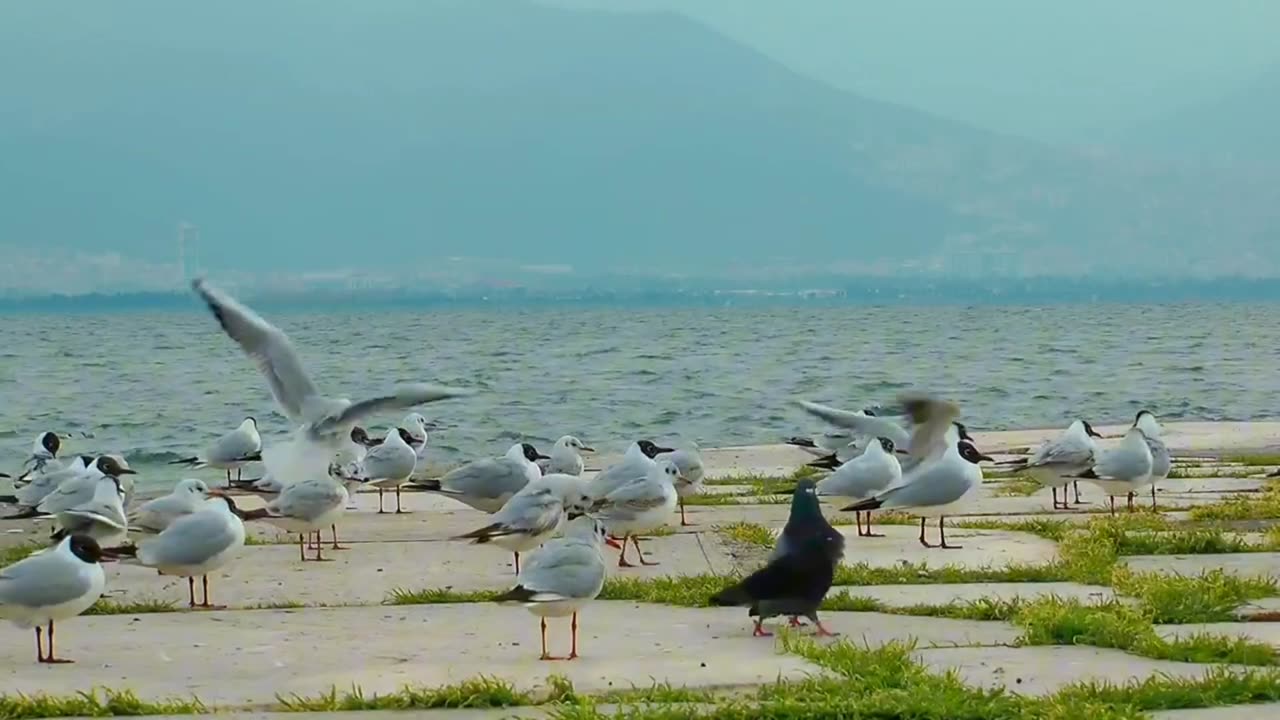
{"points": [[562, 576], [860, 422], [231, 451], [842, 455], [80, 489], [1123, 468], [389, 465], [1058, 462], [566, 457], [828, 442], [691, 472], [154, 516], [1161, 461], [305, 507], [932, 487], [533, 515], [44, 453], [488, 484], [101, 517], [29, 496], [863, 477], [924, 439], [640, 506], [198, 543], [415, 428], [635, 465], [323, 419], [944, 468], [800, 572], [54, 584]]}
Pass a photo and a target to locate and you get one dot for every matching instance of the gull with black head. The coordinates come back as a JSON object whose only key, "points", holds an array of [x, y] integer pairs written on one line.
{"points": [[488, 484], [944, 471], [52, 585]]}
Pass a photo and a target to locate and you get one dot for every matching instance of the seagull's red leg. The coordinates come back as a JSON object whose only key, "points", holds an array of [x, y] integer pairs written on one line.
{"points": [[636, 541], [869, 533], [922, 540], [517, 562], [622, 556], [39, 644], [545, 655], [51, 658], [942, 534], [573, 651], [191, 591]]}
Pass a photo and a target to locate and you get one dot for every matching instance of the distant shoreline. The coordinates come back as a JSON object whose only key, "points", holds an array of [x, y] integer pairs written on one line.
{"points": [[878, 292]]}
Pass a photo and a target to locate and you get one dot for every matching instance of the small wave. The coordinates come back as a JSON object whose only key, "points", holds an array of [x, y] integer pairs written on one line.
{"points": [[144, 456]]}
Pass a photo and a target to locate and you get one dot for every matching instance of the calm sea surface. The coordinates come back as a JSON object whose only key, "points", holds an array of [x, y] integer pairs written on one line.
{"points": [[158, 386]]}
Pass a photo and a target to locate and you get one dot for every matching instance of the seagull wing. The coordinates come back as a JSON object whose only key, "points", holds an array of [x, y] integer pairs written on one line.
{"points": [[265, 344]]}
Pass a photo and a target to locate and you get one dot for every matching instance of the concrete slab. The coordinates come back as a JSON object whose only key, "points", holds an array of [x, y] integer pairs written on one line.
{"points": [[1241, 564], [1262, 610], [1263, 632], [365, 574], [244, 658], [1043, 670], [876, 629], [979, 548], [905, 595]]}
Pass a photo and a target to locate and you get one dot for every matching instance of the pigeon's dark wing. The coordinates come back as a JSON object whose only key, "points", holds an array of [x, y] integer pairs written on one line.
{"points": [[798, 580]]}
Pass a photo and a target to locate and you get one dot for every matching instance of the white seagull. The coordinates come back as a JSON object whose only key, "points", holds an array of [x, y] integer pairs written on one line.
{"points": [[52, 585], [231, 451], [561, 577]]}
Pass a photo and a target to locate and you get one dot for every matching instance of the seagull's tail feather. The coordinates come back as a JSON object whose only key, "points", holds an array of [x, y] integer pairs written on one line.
{"points": [[864, 505], [11, 499], [732, 596], [1088, 475], [802, 442], [826, 462], [192, 461], [517, 594], [252, 457], [128, 550], [430, 485], [486, 533]]}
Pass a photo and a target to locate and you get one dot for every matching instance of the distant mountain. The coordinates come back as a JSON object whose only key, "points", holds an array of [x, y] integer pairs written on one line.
{"points": [[314, 134], [1238, 128]]}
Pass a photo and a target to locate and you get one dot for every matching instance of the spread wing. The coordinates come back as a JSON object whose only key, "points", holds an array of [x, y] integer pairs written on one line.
{"points": [[266, 345]]}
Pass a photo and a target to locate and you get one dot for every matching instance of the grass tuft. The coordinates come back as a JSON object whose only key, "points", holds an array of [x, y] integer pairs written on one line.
{"points": [[94, 703], [106, 606], [481, 692], [437, 596], [1055, 621], [748, 533]]}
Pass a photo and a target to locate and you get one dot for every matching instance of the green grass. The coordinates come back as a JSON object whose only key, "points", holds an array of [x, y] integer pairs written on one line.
{"points": [[107, 606], [437, 596], [1210, 597], [14, 553], [1017, 486], [481, 692], [748, 533], [1254, 460], [94, 703], [1054, 621], [1257, 506]]}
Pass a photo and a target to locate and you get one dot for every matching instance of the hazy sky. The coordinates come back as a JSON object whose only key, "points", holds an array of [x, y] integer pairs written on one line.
{"points": [[1044, 68], [324, 136]]}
